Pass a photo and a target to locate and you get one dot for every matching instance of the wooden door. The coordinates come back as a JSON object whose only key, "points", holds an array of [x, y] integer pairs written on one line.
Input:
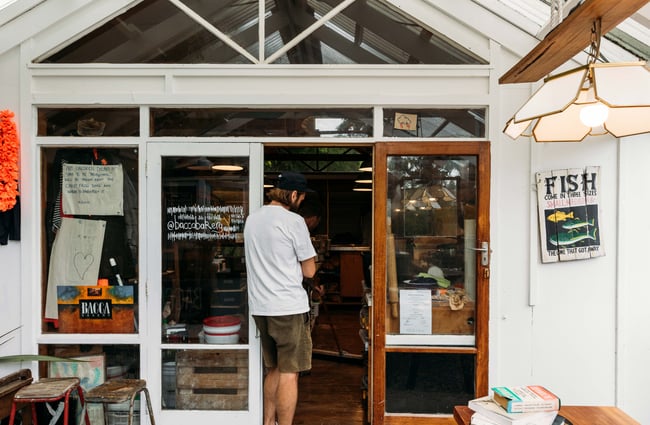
{"points": [[430, 280]]}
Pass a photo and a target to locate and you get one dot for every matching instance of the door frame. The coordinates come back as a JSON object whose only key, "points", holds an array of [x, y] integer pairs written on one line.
{"points": [[153, 349], [379, 301]]}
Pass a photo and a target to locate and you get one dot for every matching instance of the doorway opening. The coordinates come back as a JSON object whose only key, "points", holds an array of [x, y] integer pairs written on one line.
{"points": [[335, 390]]}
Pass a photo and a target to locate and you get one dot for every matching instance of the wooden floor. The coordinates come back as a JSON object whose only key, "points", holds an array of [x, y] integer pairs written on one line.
{"points": [[331, 394]]}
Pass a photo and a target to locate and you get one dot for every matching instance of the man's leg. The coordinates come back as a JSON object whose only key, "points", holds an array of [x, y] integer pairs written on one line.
{"points": [[270, 394], [286, 397]]}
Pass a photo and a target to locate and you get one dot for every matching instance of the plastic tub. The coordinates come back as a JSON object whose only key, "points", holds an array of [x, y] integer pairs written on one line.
{"points": [[220, 325], [230, 338]]}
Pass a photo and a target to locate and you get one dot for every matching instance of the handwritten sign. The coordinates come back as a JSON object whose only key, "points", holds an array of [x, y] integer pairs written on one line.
{"points": [[92, 189], [415, 311], [205, 222]]}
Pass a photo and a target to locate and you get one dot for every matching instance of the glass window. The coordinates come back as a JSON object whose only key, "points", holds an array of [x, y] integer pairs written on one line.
{"points": [[206, 122], [114, 122], [428, 383], [204, 273], [94, 364], [90, 239], [205, 379], [431, 220], [460, 123], [153, 31], [366, 32]]}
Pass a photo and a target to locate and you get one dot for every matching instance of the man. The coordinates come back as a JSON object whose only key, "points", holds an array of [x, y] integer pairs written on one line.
{"points": [[310, 211], [279, 255]]}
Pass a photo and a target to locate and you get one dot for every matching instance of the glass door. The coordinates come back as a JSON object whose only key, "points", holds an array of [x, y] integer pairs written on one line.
{"points": [[431, 269], [204, 357]]}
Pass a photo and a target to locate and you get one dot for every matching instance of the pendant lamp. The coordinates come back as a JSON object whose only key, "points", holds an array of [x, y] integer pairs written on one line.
{"points": [[591, 100]]}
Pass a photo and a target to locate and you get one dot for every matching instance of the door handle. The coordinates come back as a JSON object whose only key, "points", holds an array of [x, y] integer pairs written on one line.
{"points": [[485, 253]]}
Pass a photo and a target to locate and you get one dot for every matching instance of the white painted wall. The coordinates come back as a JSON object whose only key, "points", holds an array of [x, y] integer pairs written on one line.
{"points": [[10, 278], [633, 340]]}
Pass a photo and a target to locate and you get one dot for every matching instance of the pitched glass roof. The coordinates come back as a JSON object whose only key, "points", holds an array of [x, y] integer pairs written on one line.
{"points": [[227, 32]]}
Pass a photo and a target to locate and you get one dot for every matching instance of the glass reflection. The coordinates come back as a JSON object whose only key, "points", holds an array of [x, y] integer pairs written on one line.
{"points": [[203, 270], [431, 220]]}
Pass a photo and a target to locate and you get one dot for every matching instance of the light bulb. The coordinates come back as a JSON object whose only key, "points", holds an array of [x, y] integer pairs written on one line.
{"points": [[594, 115]]}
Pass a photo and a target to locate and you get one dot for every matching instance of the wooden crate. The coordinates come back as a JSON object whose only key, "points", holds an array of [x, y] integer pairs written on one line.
{"points": [[212, 380]]}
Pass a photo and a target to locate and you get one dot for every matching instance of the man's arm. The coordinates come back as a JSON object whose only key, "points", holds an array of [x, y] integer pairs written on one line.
{"points": [[308, 267]]}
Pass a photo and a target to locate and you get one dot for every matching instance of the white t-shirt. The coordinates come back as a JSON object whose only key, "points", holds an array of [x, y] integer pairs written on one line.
{"points": [[276, 240]]}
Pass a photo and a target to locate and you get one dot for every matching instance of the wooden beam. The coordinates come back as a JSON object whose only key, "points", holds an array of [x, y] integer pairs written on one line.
{"points": [[570, 37]]}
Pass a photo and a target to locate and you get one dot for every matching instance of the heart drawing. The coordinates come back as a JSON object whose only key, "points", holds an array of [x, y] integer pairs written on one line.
{"points": [[82, 263]]}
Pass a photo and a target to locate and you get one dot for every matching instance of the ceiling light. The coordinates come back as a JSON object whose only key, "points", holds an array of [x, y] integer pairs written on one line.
{"points": [[227, 167], [366, 165], [594, 99]]}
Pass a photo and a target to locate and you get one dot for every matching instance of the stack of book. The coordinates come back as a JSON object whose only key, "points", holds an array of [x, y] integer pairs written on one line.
{"points": [[523, 405]]}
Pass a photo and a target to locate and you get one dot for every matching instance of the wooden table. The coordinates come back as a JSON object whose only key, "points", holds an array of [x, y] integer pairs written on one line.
{"points": [[578, 415]]}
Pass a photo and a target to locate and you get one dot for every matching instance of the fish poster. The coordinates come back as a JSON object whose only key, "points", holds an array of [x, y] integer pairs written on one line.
{"points": [[569, 214]]}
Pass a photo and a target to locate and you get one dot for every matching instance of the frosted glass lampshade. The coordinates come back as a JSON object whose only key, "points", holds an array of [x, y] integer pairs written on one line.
{"points": [[585, 101]]}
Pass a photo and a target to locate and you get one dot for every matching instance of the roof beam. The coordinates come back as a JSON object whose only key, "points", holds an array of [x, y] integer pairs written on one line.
{"points": [[569, 38]]}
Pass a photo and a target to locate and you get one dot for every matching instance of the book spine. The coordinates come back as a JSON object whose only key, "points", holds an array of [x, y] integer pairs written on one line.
{"points": [[533, 406]]}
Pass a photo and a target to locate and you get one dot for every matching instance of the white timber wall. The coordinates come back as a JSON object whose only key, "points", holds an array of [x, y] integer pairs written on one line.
{"points": [[10, 255], [633, 290]]}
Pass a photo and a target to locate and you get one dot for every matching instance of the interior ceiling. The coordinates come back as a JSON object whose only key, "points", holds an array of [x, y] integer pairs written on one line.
{"points": [[573, 35]]}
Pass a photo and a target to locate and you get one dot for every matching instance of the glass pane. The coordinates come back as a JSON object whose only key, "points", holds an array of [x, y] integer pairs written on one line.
{"points": [[431, 226], [93, 365], [203, 268], [464, 123], [153, 31], [428, 383], [90, 239], [368, 32], [205, 379], [114, 122], [207, 122]]}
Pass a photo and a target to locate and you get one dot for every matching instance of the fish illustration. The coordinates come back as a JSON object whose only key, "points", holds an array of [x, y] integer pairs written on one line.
{"points": [[569, 238], [560, 216], [577, 223]]}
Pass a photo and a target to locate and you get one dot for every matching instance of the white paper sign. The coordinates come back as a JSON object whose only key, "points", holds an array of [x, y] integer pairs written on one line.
{"points": [[415, 311], [93, 189], [76, 254]]}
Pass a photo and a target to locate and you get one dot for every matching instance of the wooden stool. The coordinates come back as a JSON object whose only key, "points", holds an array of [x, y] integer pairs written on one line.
{"points": [[48, 390], [120, 391], [9, 386]]}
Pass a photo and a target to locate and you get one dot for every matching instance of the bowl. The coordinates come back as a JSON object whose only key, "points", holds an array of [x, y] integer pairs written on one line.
{"points": [[220, 325], [230, 338]]}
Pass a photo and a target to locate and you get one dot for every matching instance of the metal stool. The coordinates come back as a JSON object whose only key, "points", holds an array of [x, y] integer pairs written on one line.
{"points": [[48, 390], [120, 391]]}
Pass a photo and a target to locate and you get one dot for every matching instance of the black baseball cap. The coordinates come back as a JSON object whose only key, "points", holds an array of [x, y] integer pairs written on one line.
{"points": [[288, 180]]}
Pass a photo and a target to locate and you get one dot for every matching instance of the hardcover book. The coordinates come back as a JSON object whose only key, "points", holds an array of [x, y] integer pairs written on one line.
{"points": [[529, 398], [489, 411]]}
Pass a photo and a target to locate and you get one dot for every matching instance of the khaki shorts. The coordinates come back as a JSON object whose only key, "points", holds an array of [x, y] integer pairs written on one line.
{"points": [[286, 341]]}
